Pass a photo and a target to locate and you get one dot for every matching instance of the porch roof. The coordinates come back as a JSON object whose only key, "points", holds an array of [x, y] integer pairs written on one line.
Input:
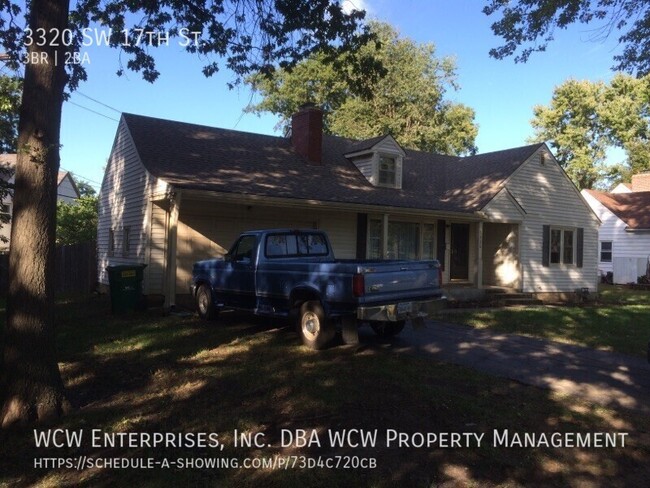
{"points": [[197, 157]]}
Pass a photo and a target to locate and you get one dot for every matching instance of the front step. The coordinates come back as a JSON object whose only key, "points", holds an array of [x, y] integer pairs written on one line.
{"points": [[511, 302], [506, 297]]}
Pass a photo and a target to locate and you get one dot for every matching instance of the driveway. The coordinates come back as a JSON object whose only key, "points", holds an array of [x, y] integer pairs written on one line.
{"points": [[606, 378]]}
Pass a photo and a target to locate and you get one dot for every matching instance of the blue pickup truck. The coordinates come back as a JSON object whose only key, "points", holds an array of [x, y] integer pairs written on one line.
{"points": [[293, 273]]}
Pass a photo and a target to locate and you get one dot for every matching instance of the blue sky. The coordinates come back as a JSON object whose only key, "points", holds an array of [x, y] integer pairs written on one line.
{"points": [[501, 92]]}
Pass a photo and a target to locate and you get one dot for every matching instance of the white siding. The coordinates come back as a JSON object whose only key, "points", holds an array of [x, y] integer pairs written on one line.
{"points": [[629, 250], [123, 202], [502, 209], [549, 198], [367, 167]]}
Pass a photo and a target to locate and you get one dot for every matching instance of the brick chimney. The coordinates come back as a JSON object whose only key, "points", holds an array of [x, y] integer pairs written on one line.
{"points": [[307, 132], [641, 182]]}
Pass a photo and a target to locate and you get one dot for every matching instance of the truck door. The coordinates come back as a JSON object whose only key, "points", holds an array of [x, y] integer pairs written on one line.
{"points": [[240, 273]]}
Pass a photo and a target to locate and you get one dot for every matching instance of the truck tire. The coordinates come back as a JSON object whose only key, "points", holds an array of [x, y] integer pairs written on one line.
{"points": [[388, 329], [315, 330], [204, 303]]}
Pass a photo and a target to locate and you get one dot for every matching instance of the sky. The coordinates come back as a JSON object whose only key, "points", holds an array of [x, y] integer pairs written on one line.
{"points": [[501, 92]]}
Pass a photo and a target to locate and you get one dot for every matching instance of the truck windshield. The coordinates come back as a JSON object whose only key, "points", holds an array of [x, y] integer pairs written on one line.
{"points": [[298, 244]]}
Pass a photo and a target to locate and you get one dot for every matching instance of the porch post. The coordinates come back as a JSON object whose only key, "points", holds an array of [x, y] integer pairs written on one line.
{"points": [[479, 257], [384, 237], [172, 246]]}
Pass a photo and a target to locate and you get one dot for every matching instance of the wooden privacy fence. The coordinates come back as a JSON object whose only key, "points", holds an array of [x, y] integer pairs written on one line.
{"points": [[75, 271]]}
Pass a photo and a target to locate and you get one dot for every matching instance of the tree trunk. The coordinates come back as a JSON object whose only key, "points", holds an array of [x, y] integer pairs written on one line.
{"points": [[32, 386]]}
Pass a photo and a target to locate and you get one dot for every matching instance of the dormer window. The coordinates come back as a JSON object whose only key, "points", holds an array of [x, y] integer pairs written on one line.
{"points": [[387, 171], [380, 160]]}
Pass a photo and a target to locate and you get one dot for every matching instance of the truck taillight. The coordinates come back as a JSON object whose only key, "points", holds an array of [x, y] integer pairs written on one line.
{"points": [[358, 285]]}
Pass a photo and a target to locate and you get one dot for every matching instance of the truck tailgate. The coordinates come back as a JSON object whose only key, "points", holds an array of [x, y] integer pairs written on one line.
{"points": [[400, 280]]}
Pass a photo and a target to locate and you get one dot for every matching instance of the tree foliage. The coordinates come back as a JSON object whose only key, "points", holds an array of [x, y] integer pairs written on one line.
{"points": [[585, 119], [244, 36], [529, 25], [10, 90], [408, 101], [76, 222]]}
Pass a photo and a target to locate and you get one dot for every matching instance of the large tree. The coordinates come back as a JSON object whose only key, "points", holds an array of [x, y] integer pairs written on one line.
{"points": [[408, 101], [586, 119], [529, 25], [244, 36]]}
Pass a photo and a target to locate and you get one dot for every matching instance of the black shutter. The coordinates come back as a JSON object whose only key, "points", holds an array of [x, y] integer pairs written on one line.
{"points": [[442, 229], [362, 235], [580, 246], [546, 244]]}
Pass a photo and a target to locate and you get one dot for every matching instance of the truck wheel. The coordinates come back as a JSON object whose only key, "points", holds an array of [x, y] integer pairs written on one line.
{"points": [[204, 304], [316, 331], [388, 329]]}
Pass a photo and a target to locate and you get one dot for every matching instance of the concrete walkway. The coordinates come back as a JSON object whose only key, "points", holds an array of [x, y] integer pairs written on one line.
{"points": [[611, 379]]}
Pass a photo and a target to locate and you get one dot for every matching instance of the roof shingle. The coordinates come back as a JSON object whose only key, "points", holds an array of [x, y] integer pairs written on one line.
{"points": [[632, 208], [206, 158]]}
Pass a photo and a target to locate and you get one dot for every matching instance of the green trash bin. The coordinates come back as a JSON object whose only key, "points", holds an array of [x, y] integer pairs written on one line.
{"points": [[125, 283]]}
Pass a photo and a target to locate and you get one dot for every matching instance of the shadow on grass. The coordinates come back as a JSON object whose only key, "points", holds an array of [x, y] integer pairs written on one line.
{"points": [[148, 373]]}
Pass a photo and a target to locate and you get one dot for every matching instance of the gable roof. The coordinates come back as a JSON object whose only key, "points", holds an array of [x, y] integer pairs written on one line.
{"points": [[199, 157], [632, 208]]}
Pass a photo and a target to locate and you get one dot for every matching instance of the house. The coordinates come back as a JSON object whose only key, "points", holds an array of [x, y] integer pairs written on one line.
{"points": [[624, 236], [174, 193], [66, 192]]}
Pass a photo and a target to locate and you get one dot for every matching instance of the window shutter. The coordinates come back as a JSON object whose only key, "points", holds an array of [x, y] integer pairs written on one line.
{"points": [[546, 244], [580, 245], [440, 245]]}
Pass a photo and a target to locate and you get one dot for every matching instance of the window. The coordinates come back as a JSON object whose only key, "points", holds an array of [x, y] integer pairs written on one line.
{"points": [[605, 251], [243, 249], [111, 242], [403, 240], [374, 239], [387, 171], [562, 246], [298, 244], [126, 241], [428, 242]]}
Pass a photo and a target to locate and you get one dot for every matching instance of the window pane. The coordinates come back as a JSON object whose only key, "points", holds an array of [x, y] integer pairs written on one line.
{"points": [[428, 241], [556, 244], [312, 244], [403, 239], [568, 247], [244, 249], [374, 238], [386, 171], [606, 251]]}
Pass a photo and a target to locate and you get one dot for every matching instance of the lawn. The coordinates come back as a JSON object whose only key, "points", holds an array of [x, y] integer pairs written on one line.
{"points": [[619, 321], [148, 373]]}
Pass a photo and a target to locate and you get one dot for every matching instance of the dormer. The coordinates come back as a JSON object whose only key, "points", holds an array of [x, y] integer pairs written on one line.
{"points": [[379, 160]]}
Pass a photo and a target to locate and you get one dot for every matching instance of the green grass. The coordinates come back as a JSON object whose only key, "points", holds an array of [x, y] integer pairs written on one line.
{"points": [[620, 321], [149, 373]]}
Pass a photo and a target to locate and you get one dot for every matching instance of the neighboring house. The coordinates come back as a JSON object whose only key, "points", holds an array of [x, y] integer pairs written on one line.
{"points": [[624, 236], [174, 193], [66, 192]]}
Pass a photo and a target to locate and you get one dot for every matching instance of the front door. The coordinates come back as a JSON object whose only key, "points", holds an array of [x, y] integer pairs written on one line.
{"points": [[459, 265]]}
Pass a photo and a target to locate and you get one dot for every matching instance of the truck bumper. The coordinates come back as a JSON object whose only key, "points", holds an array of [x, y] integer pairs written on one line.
{"points": [[394, 312]]}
